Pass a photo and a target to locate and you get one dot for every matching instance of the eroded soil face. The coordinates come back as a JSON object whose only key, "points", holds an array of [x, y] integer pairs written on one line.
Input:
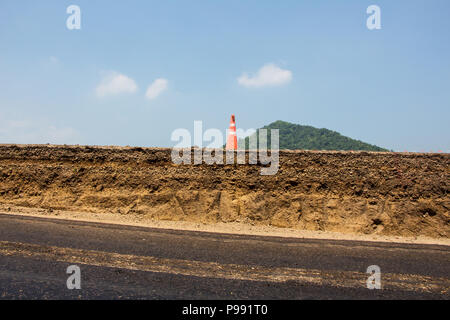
{"points": [[369, 193]]}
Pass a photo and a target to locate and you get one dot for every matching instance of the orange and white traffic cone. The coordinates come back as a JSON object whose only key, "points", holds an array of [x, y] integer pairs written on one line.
{"points": [[232, 137]]}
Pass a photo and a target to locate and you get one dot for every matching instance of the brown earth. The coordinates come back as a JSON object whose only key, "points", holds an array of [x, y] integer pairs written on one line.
{"points": [[395, 194]]}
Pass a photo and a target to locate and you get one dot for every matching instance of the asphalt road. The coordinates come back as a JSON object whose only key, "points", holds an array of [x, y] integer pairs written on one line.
{"points": [[124, 262]]}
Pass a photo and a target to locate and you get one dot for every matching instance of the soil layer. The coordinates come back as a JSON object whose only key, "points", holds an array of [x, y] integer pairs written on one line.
{"points": [[395, 194]]}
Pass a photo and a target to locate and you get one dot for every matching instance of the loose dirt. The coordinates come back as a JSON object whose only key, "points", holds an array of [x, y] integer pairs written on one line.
{"points": [[355, 193]]}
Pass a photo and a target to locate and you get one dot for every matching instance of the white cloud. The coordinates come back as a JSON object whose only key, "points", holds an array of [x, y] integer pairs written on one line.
{"points": [[30, 132], [115, 83], [268, 75], [156, 88]]}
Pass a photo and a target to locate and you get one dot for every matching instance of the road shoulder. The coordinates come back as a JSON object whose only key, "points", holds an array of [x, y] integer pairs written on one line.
{"points": [[223, 228]]}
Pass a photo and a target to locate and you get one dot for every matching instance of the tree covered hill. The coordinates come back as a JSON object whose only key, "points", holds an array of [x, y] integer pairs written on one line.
{"points": [[299, 137]]}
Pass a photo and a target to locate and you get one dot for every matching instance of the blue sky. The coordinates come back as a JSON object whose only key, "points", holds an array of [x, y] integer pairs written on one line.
{"points": [[323, 67]]}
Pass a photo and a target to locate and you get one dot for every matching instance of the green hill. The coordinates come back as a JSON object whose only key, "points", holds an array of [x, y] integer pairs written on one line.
{"points": [[298, 137]]}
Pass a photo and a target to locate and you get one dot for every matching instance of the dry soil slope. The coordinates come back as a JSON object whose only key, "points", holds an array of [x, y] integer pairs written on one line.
{"points": [[371, 193]]}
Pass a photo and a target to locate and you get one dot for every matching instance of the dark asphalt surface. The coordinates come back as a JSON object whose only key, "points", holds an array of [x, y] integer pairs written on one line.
{"points": [[28, 277]]}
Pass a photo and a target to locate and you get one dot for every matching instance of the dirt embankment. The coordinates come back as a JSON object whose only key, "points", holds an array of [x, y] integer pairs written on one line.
{"points": [[366, 193]]}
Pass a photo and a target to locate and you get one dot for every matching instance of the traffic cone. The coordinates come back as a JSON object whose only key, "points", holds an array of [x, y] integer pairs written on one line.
{"points": [[232, 137]]}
